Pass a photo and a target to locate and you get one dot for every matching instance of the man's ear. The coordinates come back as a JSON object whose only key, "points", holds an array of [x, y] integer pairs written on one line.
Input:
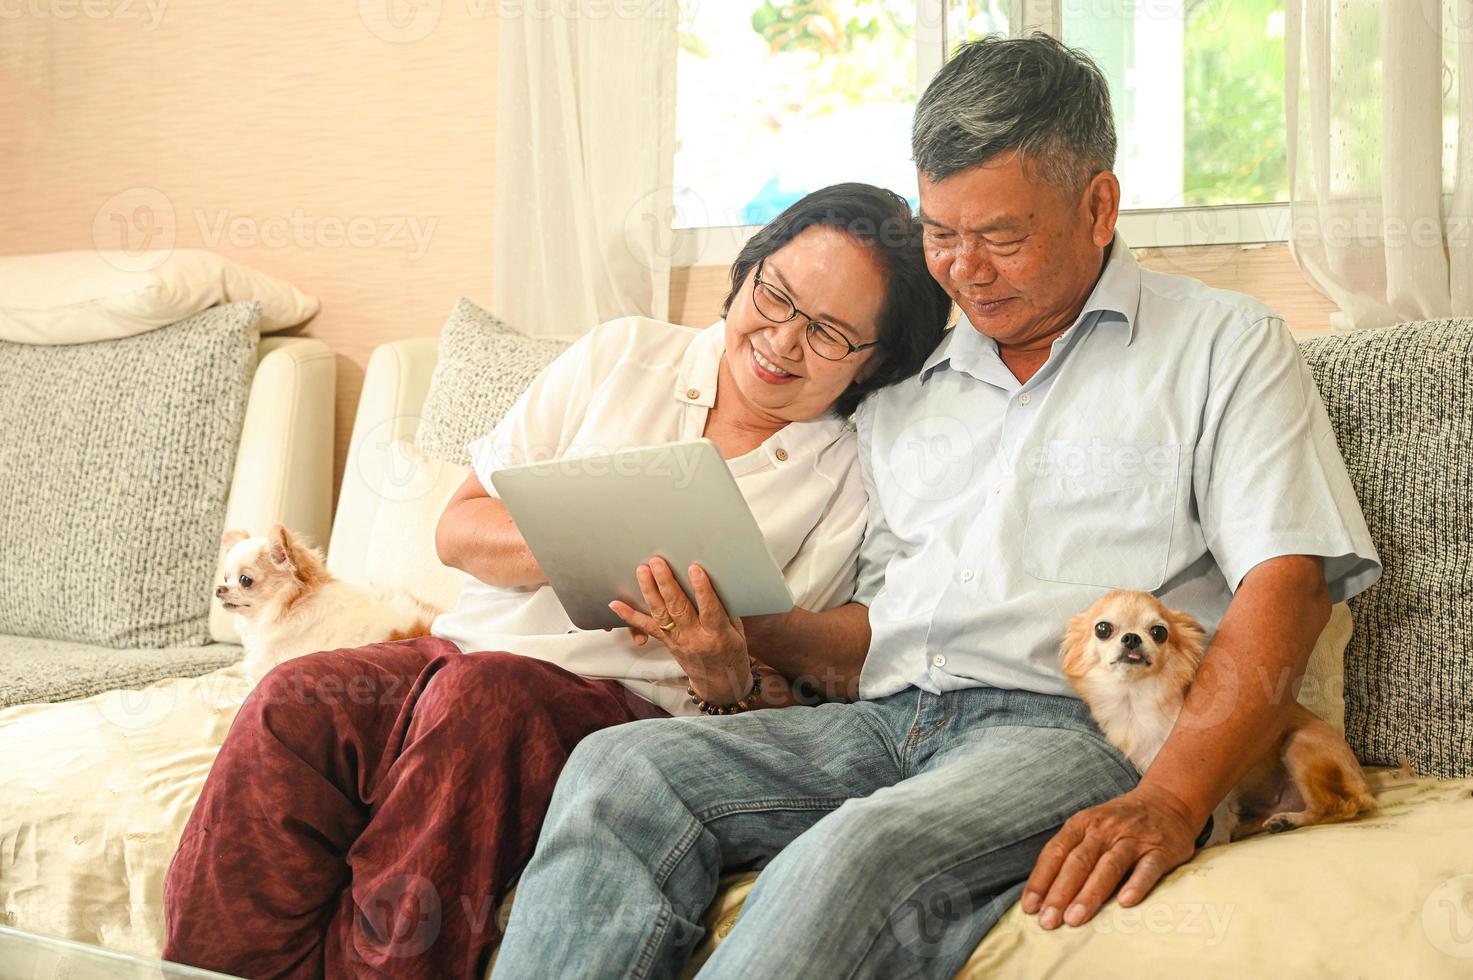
{"points": [[1102, 201], [232, 538]]}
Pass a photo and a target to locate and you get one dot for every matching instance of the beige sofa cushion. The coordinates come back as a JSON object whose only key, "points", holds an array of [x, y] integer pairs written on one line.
{"points": [[401, 539], [88, 826], [1387, 896], [389, 404], [1323, 689]]}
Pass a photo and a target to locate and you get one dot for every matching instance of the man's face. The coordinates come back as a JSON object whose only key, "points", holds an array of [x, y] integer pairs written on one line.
{"points": [[1018, 255]]}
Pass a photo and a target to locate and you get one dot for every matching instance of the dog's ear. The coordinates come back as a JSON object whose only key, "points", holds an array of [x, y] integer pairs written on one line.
{"points": [[279, 546], [1073, 652], [291, 554], [230, 539], [1187, 633]]}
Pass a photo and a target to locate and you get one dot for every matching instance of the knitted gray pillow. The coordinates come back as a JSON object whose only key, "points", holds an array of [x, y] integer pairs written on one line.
{"points": [[1401, 400], [482, 369], [115, 464]]}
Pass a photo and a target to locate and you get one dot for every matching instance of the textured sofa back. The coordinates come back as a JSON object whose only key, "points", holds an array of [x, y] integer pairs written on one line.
{"points": [[1401, 401]]}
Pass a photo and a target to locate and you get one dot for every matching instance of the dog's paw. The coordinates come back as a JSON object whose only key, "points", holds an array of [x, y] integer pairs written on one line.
{"points": [[1278, 823]]}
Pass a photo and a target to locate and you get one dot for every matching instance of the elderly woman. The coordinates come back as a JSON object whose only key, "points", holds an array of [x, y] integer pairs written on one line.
{"points": [[371, 806]]}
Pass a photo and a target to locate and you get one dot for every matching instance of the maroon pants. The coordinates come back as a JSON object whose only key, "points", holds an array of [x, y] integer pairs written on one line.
{"points": [[370, 807]]}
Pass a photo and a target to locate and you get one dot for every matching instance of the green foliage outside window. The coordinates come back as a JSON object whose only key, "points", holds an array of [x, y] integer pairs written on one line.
{"points": [[1234, 94]]}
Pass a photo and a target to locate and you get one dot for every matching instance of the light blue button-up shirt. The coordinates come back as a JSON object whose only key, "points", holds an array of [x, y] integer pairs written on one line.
{"points": [[1173, 440]]}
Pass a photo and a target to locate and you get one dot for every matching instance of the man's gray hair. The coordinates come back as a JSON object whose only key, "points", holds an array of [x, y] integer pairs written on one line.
{"points": [[1049, 102]]}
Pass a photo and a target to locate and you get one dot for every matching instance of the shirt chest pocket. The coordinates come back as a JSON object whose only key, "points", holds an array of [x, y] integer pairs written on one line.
{"points": [[1101, 513]]}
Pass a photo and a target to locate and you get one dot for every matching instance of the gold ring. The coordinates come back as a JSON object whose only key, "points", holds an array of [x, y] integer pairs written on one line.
{"points": [[668, 626]]}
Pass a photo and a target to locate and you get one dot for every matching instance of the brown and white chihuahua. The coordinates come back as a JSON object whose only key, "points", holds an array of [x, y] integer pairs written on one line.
{"points": [[287, 604], [1131, 660]]}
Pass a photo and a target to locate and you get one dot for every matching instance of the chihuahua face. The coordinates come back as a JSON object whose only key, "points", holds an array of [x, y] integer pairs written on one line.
{"points": [[1130, 636], [1131, 659], [267, 572]]}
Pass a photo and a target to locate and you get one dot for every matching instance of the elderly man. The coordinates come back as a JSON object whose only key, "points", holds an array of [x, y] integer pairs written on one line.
{"points": [[1089, 426]]}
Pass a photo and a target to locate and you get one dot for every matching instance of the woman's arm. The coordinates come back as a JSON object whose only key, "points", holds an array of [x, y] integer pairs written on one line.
{"points": [[477, 535]]}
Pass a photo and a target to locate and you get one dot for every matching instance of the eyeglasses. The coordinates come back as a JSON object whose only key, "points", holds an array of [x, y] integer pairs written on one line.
{"points": [[825, 341]]}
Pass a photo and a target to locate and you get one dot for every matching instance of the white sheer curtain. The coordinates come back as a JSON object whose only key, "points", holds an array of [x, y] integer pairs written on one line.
{"points": [[584, 163], [1380, 133]]}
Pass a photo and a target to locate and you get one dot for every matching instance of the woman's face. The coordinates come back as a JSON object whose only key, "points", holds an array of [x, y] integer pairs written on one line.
{"points": [[830, 277]]}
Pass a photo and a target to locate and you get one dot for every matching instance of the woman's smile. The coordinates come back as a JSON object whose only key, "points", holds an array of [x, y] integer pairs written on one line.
{"points": [[770, 372]]}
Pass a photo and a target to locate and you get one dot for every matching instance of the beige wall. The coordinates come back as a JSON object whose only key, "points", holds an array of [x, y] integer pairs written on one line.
{"points": [[305, 139]]}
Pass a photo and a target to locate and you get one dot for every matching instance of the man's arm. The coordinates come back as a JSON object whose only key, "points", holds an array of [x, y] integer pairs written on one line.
{"points": [[1234, 711], [824, 651]]}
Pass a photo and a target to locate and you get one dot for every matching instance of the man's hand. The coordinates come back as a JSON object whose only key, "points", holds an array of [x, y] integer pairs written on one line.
{"points": [[1144, 833]]}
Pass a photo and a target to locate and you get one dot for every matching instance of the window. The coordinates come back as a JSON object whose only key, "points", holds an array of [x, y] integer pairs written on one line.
{"points": [[776, 99], [779, 99]]}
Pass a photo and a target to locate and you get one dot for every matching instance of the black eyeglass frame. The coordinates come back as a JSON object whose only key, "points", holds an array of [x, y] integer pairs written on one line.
{"points": [[812, 323]]}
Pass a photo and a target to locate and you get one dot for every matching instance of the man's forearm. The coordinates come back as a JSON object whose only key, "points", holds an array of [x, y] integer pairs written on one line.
{"points": [[1235, 708], [824, 650]]}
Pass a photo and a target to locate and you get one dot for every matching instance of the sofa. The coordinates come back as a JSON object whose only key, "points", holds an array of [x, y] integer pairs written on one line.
{"points": [[90, 821]]}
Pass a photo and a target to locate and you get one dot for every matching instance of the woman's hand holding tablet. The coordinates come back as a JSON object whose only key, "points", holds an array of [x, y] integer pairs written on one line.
{"points": [[709, 644]]}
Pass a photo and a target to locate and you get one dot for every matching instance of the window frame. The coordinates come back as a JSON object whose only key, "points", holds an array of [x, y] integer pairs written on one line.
{"points": [[1229, 224]]}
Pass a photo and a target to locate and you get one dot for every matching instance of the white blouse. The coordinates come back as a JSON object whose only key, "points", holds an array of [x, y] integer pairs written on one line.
{"points": [[638, 382]]}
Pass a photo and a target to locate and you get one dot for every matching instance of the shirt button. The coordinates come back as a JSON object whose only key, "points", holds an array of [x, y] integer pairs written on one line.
{"points": [[693, 393], [782, 455], [997, 489], [966, 574], [1023, 399], [938, 661]]}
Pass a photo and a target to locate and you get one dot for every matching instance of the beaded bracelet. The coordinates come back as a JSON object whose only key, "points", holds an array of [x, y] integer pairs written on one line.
{"points": [[744, 704]]}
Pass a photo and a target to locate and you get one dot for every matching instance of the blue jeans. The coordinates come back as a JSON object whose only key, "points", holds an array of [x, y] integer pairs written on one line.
{"points": [[892, 835]]}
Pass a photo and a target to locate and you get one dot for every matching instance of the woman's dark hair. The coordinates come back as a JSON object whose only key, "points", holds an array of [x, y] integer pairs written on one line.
{"points": [[916, 308]]}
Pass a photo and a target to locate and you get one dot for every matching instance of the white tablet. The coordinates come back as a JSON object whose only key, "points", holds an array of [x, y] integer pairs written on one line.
{"points": [[590, 521]]}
